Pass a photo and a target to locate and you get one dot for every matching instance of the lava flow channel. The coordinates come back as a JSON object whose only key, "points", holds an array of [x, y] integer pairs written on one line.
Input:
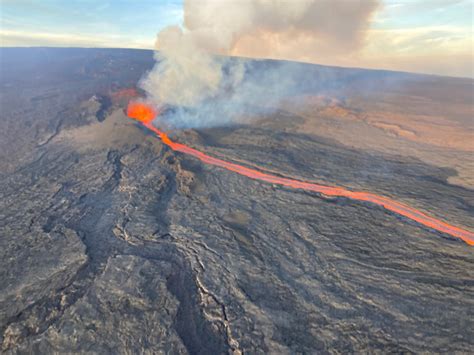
{"points": [[145, 115]]}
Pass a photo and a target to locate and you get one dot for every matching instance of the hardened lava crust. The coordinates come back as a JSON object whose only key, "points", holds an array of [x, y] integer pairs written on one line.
{"points": [[112, 243]]}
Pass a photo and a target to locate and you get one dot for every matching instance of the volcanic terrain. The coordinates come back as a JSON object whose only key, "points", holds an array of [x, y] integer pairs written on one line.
{"points": [[111, 242]]}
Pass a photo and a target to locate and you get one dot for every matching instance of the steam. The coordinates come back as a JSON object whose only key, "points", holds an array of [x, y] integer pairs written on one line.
{"points": [[195, 76]]}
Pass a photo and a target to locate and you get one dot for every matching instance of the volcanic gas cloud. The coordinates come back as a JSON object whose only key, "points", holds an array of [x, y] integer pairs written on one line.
{"points": [[144, 113], [189, 73]]}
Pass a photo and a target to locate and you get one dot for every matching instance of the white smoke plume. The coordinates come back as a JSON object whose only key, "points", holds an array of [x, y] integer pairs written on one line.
{"points": [[194, 74]]}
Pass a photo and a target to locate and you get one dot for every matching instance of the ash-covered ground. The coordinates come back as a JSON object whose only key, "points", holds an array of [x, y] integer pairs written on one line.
{"points": [[112, 243]]}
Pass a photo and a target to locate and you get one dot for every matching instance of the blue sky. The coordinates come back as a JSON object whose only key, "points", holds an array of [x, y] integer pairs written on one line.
{"points": [[424, 13], [404, 33], [86, 22]]}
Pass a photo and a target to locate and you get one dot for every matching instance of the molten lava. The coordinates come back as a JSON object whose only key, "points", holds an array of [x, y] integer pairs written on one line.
{"points": [[145, 114], [141, 111]]}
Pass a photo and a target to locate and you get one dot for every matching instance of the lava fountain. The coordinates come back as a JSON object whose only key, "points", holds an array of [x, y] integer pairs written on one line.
{"points": [[140, 111], [145, 114]]}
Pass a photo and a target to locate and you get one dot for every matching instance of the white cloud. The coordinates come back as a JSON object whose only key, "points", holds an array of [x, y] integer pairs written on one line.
{"points": [[444, 50], [28, 38]]}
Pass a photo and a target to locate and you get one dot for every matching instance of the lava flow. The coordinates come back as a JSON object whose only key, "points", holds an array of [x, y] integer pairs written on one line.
{"points": [[145, 114]]}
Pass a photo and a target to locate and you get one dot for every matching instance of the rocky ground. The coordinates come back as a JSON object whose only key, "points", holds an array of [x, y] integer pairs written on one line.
{"points": [[112, 243]]}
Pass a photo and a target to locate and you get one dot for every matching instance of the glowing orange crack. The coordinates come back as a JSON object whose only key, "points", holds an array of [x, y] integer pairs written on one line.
{"points": [[143, 114]]}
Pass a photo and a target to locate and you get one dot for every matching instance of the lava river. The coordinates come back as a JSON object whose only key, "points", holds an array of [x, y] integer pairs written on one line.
{"points": [[145, 114]]}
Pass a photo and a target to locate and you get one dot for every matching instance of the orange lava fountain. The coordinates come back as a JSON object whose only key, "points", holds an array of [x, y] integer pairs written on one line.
{"points": [[143, 113]]}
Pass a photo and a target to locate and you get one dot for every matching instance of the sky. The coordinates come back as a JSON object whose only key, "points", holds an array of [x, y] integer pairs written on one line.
{"points": [[427, 36]]}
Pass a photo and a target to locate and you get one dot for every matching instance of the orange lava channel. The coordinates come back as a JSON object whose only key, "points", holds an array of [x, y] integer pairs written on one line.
{"points": [[385, 202]]}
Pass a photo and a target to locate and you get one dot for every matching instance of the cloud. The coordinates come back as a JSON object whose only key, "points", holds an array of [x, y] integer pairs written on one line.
{"points": [[209, 90], [250, 28], [12, 38], [187, 73], [444, 50]]}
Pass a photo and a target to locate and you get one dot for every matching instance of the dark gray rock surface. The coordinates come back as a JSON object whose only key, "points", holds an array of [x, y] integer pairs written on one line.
{"points": [[112, 243]]}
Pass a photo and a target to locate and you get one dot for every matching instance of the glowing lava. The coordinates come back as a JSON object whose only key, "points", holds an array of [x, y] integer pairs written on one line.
{"points": [[142, 113]]}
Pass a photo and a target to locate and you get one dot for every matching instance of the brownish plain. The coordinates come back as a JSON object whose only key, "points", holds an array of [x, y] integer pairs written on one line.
{"points": [[430, 119]]}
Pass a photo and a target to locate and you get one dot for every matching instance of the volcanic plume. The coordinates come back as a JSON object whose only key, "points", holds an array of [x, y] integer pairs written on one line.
{"points": [[189, 73], [145, 114]]}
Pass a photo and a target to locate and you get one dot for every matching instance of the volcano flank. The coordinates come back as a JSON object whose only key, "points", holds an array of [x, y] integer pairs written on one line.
{"points": [[222, 238]]}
